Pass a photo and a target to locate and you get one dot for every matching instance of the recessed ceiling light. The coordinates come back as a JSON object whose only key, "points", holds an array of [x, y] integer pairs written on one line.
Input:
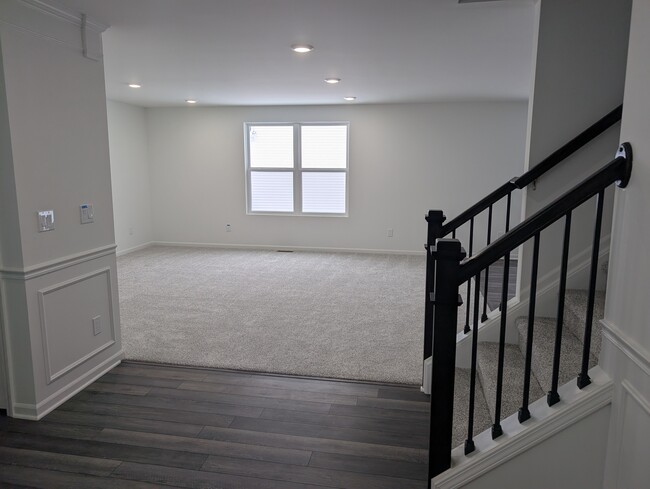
{"points": [[191, 101], [135, 85], [302, 48], [332, 81], [349, 99]]}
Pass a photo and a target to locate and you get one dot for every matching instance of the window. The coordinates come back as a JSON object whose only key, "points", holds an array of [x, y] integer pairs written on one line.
{"points": [[297, 169]]}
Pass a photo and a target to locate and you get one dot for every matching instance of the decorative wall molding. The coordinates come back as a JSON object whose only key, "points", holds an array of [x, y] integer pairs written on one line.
{"points": [[51, 376], [35, 412], [52, 22], [65, 14], [630, 348], [51, 266], [637, 396]]}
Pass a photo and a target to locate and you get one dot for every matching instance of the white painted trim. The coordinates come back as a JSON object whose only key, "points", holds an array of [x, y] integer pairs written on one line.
{"points": [[36, 412], [546, 421], [7, 371], [8, 353], [630, 348], [51, 22], [134, 249], [616, 429], [44, 268], [637, 396], [65, 14], [293, 248], [52, 376]]}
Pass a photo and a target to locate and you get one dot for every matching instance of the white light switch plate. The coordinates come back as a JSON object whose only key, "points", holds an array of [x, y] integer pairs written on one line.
{"points": [[87, 214], [45, 221]]}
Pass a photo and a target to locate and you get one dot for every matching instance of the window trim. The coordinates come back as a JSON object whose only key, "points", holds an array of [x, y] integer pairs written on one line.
{"points": [[297, 170]]}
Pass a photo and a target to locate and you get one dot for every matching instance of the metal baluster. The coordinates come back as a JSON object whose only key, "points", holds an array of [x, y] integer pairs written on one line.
{"points": [[506, 265], [469, 282], [453, 234], [553, 397], [487, 269], [469, 443], [496, 428], [524, 412], [583, 378], [508, 211]]}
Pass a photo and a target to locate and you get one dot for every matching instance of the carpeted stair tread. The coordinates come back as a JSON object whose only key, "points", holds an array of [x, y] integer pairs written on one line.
{"points": [[543, 349], [482, 419], [575, 316], [513, 378]]}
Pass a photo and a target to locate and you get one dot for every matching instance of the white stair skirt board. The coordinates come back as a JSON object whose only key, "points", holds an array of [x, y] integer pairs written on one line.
{"points": [[575, 405]]}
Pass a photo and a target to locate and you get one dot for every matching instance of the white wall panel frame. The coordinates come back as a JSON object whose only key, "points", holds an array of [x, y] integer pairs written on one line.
{"points": [[52, 375]]}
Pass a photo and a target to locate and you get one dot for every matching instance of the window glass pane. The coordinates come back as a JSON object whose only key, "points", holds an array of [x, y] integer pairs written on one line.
{"points": [[324, 146], [271, 191], [323, 192], [271, 146]]}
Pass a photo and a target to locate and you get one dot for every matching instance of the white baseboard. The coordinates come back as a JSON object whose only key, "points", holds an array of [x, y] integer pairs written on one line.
{"points": [[135, 248], [284, 247], [545, 422], [35, 412]]}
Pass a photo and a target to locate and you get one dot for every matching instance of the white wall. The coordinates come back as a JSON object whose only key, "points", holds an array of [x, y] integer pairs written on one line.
{"points": [[58, 141], [55, 156], [626, 347], [579, 76], [404, 160], [10, 248], [127, 130]]}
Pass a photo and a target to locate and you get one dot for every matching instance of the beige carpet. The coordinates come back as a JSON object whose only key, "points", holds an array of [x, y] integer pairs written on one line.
{"points": [[340, 315]]}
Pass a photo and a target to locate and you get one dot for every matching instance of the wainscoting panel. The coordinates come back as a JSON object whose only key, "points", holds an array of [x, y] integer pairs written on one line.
{"points": [[628, 363], [53, 347], [77, 321], [631, 471]]}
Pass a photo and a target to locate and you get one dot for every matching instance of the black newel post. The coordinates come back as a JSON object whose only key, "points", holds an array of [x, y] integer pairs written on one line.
{"points": [[434, 231], [448, 254]]}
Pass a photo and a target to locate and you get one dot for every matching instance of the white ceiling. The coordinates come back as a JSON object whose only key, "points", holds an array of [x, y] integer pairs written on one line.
{"points": [[237, 52]]}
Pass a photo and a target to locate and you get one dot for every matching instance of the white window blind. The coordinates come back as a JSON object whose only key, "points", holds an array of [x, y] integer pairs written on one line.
{"points": [[323, 192], [271, 191], [271, 146], [297, 169], [324, 146]]}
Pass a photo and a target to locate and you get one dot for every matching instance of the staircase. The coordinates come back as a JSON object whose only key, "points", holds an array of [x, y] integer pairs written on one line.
{"points": [[527, 378], [541, 364]]}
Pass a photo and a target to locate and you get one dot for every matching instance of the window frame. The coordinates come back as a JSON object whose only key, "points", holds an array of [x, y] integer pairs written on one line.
{"points": [[297, 170]]}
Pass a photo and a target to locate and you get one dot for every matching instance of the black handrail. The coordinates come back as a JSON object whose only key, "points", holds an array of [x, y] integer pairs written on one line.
{"points": [[571, 147], [617, 170], [452, 270], [537, 171], [479, 207]]}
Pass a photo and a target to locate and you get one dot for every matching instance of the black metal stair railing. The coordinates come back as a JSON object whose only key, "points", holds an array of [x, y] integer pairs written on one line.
{"points": [[451, 270], [437, 228]]}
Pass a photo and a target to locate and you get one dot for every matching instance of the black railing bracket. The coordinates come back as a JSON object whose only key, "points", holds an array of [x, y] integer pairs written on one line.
{"points": [[625, 151]]}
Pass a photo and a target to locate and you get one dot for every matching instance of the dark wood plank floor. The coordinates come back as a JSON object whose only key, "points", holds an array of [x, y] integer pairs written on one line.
{"points": [[144, 426]]}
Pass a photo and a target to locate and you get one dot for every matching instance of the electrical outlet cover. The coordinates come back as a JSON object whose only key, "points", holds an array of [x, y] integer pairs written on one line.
{"points": [[45, 221]]}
